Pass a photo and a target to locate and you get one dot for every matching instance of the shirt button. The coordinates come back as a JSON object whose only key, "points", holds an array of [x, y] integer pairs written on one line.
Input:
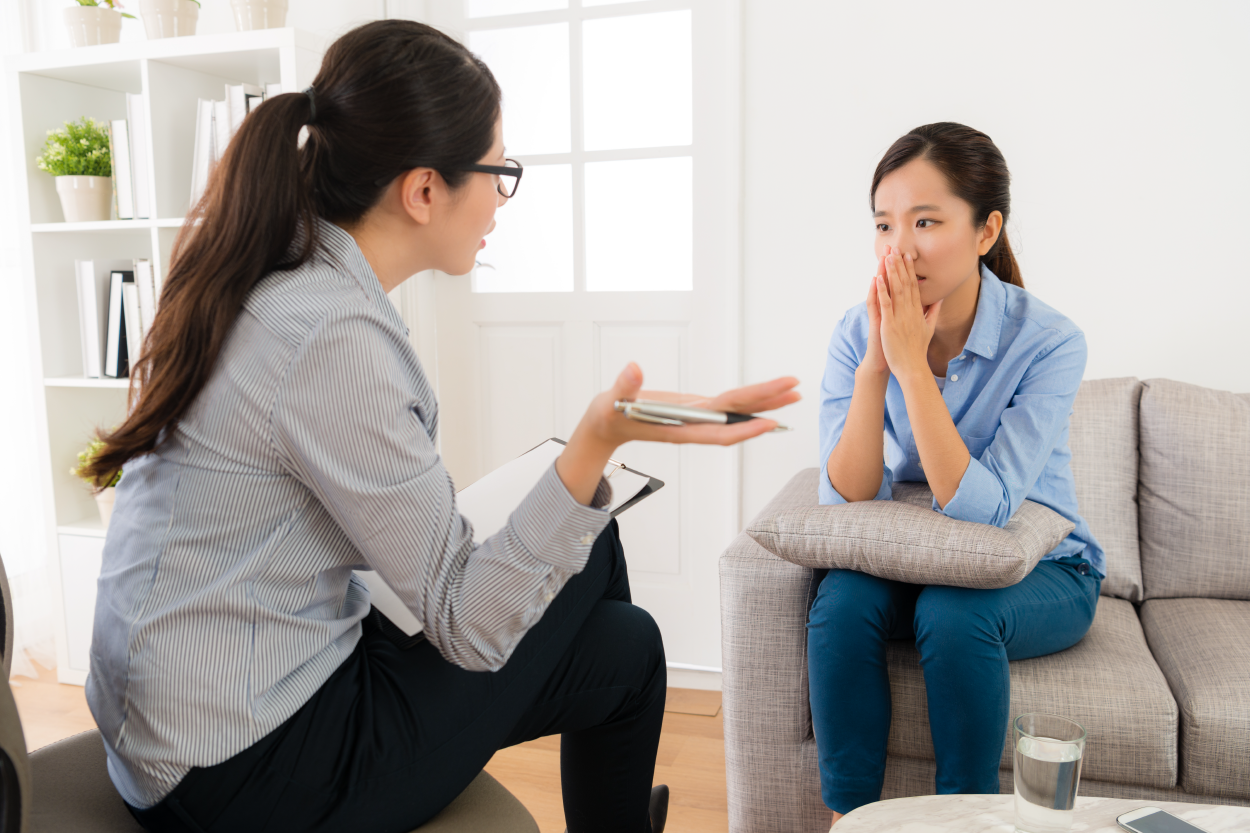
{"points": [[954, 377], [961, 358], [549, 597], [588, 539]]}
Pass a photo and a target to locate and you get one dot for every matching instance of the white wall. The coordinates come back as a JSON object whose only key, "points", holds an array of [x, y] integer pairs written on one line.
{"points": [[1124, 124]]}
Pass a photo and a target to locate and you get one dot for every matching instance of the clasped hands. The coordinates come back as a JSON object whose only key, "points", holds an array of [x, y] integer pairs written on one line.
{"points": [[899, 326]]}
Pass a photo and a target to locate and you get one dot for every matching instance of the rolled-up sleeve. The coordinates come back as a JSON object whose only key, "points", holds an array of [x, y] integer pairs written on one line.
{"points": [[998, 480], [846, 349], [348, 424]]}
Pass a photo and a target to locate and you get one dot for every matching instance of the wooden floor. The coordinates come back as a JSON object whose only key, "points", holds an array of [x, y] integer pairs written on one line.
{"points": [[691, 759]]}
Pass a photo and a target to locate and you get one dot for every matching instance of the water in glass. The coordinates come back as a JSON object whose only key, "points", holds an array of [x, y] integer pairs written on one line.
{"points": [[1046, 774]]}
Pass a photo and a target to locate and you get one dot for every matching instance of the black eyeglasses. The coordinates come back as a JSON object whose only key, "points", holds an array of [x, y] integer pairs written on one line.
{"points": [[506, 187], [510, 168]]}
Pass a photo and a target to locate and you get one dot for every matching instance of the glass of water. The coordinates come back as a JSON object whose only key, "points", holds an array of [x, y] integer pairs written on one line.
{"points": [[1047, 769]]}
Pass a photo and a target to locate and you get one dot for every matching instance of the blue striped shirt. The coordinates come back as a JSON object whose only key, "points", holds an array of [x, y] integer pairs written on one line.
{"points": [[1010, 395], [226, 597]]}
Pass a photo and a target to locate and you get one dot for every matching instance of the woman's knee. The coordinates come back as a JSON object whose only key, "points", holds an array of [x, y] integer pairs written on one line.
{"points": [[850, 602], [950, 616], [629, 633]]}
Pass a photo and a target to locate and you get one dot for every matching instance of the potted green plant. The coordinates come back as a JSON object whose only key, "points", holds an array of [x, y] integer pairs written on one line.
{"points": [[95, 21], [77, 155], [169, 18], [103, 497]]}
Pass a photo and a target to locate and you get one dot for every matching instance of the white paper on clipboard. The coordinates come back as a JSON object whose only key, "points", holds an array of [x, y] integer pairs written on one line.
{"points": [[489, 502]]}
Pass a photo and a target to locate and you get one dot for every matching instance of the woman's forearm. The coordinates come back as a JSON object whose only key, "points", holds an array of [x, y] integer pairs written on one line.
{"points": [[943, 455], [855, 464], [581, 465]]}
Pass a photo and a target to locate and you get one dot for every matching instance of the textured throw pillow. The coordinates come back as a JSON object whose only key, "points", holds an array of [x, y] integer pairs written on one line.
{"points": [[905, 540]]}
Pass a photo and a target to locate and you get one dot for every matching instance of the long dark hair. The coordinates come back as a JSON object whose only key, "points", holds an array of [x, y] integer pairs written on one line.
{"points": [[975, 171], [391, 96]]}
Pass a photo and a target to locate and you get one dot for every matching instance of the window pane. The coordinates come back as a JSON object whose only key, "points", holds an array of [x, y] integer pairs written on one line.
{"points": [[531, 64], [531, 248], [638, 81], [488, 8], [639, 224]]}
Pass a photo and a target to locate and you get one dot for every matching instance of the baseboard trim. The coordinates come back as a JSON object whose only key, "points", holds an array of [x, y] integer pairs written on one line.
{"points": [[683, 675]]}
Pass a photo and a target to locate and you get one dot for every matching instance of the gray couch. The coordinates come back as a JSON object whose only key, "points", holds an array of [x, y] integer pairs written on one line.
{"points": [[1161, 681]]}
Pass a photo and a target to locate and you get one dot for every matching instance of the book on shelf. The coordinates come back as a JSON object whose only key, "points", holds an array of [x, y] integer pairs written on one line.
{"points": [[202, 159], [116, 359], [238, 99], [216, 123], [221, 129], [92, 283], [131, 320], [123, 183], [92, 316], [146, 297], [136, 115]]}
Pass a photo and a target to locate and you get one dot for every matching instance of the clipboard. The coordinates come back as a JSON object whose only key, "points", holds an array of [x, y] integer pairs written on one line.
{"points": [[389, 613], [654, 484]]}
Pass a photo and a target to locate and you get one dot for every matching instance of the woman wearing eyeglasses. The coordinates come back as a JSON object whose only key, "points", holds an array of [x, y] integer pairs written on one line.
{"points": [[283, 433]]}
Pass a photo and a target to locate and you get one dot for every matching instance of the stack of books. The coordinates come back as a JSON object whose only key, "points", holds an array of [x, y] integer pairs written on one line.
{"points": [[116, 305], [216, 123], [128, 147]]}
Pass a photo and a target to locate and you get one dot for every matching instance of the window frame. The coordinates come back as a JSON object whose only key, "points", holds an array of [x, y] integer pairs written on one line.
{"points": [[714, 29]]}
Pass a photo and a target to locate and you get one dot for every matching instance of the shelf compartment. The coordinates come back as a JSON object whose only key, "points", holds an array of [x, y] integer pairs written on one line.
{"points": [[46, 104], [84, 382], [98, 225], [56, 288], [89, 527], [74, 414]]}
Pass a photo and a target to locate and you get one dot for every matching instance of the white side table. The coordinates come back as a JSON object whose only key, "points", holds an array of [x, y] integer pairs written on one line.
{"points": [[996, 814]]}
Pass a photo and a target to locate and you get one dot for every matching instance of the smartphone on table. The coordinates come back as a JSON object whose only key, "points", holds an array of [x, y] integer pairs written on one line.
{"points": [[1154, 820]]}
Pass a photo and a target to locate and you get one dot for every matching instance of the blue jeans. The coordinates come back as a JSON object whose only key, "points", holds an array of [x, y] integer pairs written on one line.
{"points": [[965, 638]]}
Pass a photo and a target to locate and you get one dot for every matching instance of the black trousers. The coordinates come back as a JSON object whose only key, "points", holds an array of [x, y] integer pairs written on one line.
{"points": [[395, 735]]}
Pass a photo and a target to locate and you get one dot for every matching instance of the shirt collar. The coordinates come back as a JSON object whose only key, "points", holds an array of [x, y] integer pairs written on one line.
{"points": [[987, 327], [345, 252]]}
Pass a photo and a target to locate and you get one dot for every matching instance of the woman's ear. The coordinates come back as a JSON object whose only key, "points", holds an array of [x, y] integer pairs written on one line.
{"points": [[416, 192], [989, 232]]}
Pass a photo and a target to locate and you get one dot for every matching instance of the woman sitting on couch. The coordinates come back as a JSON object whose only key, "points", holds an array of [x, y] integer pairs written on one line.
{"points": [[972, 380]]}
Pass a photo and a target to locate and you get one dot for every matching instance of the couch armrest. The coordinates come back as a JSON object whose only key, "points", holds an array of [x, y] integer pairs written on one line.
{"points": [[764, 602], [770, 765]]}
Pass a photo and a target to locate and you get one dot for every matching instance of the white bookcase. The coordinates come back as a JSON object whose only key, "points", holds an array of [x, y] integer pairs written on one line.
{"points": [[48, 89]]}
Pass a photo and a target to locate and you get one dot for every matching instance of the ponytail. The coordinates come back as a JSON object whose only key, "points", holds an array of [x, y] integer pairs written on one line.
{"points": [[391, 96], [1002, 262]]}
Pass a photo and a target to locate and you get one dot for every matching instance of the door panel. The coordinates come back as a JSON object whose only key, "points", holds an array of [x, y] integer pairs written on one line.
{"points": [[621, 245], [521, 390]]}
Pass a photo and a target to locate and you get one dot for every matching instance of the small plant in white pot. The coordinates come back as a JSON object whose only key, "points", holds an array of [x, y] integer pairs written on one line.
{"points": [[95, 21], [78, 156], [169, 18], [103, 497]]}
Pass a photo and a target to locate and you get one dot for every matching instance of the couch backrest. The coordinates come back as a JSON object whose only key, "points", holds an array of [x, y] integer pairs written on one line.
{"points": [[1104, 440], [1195, 491]]}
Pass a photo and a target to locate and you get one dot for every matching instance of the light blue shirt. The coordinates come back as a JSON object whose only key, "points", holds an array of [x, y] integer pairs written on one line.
{"points": [[1010, 395]]}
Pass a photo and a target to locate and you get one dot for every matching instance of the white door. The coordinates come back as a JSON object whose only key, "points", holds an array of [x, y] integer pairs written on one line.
{"points": [[620, 245]]}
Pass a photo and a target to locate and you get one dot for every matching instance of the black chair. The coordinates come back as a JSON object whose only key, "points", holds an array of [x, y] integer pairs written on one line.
{"points": [[65, 788]]}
